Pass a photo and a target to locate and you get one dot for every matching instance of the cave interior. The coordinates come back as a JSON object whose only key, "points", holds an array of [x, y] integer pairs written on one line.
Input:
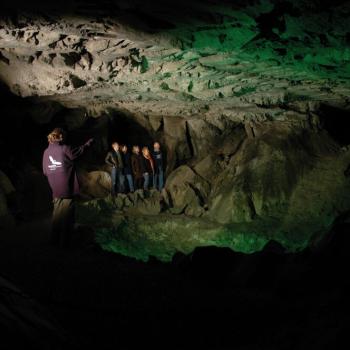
{"points": [[246, 246]]}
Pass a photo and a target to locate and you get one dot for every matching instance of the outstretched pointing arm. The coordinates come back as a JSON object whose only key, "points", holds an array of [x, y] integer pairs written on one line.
{"points": [[73, 153]]}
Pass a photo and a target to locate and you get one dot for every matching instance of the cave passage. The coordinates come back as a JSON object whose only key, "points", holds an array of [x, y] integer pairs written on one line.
{"points": [[337, 122], [125, 130]]}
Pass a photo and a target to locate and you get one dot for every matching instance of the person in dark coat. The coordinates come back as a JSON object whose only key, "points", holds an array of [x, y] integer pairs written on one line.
{"points": [[127, 167], [114, 159], [58, 166], [148, 173], [137, 166], [158, 167]]}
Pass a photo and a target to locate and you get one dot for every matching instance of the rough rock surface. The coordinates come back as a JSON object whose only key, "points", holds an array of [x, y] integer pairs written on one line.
{"points": [[203, 58], [251, 104], [283, 185]]}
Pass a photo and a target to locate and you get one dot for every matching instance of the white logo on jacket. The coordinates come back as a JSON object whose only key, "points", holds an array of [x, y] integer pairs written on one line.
{"points": [[54, 164]]}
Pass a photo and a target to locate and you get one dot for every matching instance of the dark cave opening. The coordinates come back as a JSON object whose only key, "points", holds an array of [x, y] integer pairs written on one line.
{"points": [[21, 139], [337, 123], [125, 130]]}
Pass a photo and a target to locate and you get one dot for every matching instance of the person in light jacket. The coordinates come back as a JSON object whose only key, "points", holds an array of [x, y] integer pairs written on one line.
{"points": [[148, 173]]}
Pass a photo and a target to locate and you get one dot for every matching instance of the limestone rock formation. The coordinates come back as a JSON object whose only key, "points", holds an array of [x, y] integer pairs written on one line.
{"points": [[203, 58], [250, 102]]}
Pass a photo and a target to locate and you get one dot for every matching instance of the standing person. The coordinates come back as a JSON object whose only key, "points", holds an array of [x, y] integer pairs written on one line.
{"points": [[58, 166], [137, 166], [158, 167], [127, 167], [115, 160], [149, 168]]}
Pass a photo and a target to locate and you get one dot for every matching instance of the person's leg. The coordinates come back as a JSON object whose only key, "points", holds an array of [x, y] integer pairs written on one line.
{"points": [[130, 182], [56, 222], [153, 180], [121, 181], [62, 221], [160, 179], [68, 212], [146, 182], [113, 180], [139, 183]]}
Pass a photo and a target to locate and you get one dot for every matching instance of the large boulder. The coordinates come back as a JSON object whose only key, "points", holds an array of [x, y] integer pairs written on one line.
{"points": [[203, 136], [95, 184], [177, 144], [188, 191], [285, 191]]}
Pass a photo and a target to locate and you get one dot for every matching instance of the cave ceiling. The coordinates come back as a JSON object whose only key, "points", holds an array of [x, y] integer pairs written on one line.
{"points": [[229, 58]]}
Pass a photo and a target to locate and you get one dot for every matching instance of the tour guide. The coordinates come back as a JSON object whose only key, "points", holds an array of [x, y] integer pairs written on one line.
{"points": [[58, 166]]}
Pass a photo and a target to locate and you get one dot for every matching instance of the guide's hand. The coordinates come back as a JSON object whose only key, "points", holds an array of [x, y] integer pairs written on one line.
{"points": [[89, 142]]}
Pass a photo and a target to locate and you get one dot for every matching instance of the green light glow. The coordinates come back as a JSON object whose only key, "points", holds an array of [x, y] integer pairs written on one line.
{"points": [[163, 235]]}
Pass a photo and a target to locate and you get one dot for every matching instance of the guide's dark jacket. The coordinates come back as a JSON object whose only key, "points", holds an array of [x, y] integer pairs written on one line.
{"points": [[58, 166], [114, 159]]}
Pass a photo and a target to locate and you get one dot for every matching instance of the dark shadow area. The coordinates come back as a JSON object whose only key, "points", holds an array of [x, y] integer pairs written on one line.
{"points": [[20, 137], [140, 15], [126, 130], [117, 4], [213, 298], [157, 15], [21, 144], [337, 123]]}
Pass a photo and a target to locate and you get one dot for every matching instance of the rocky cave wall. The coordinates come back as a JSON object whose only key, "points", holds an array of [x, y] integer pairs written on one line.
{"points": [[250, 101]]}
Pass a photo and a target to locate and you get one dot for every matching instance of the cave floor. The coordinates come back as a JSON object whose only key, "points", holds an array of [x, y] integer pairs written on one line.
{"points": [[105, 300]]}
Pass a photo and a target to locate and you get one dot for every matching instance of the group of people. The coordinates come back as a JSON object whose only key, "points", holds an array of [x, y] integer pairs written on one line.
{"points": [[141, 169], [136, 170]]}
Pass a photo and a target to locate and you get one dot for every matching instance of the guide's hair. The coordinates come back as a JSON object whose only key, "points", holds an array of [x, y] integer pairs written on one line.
{"points": [[56, 135]]}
